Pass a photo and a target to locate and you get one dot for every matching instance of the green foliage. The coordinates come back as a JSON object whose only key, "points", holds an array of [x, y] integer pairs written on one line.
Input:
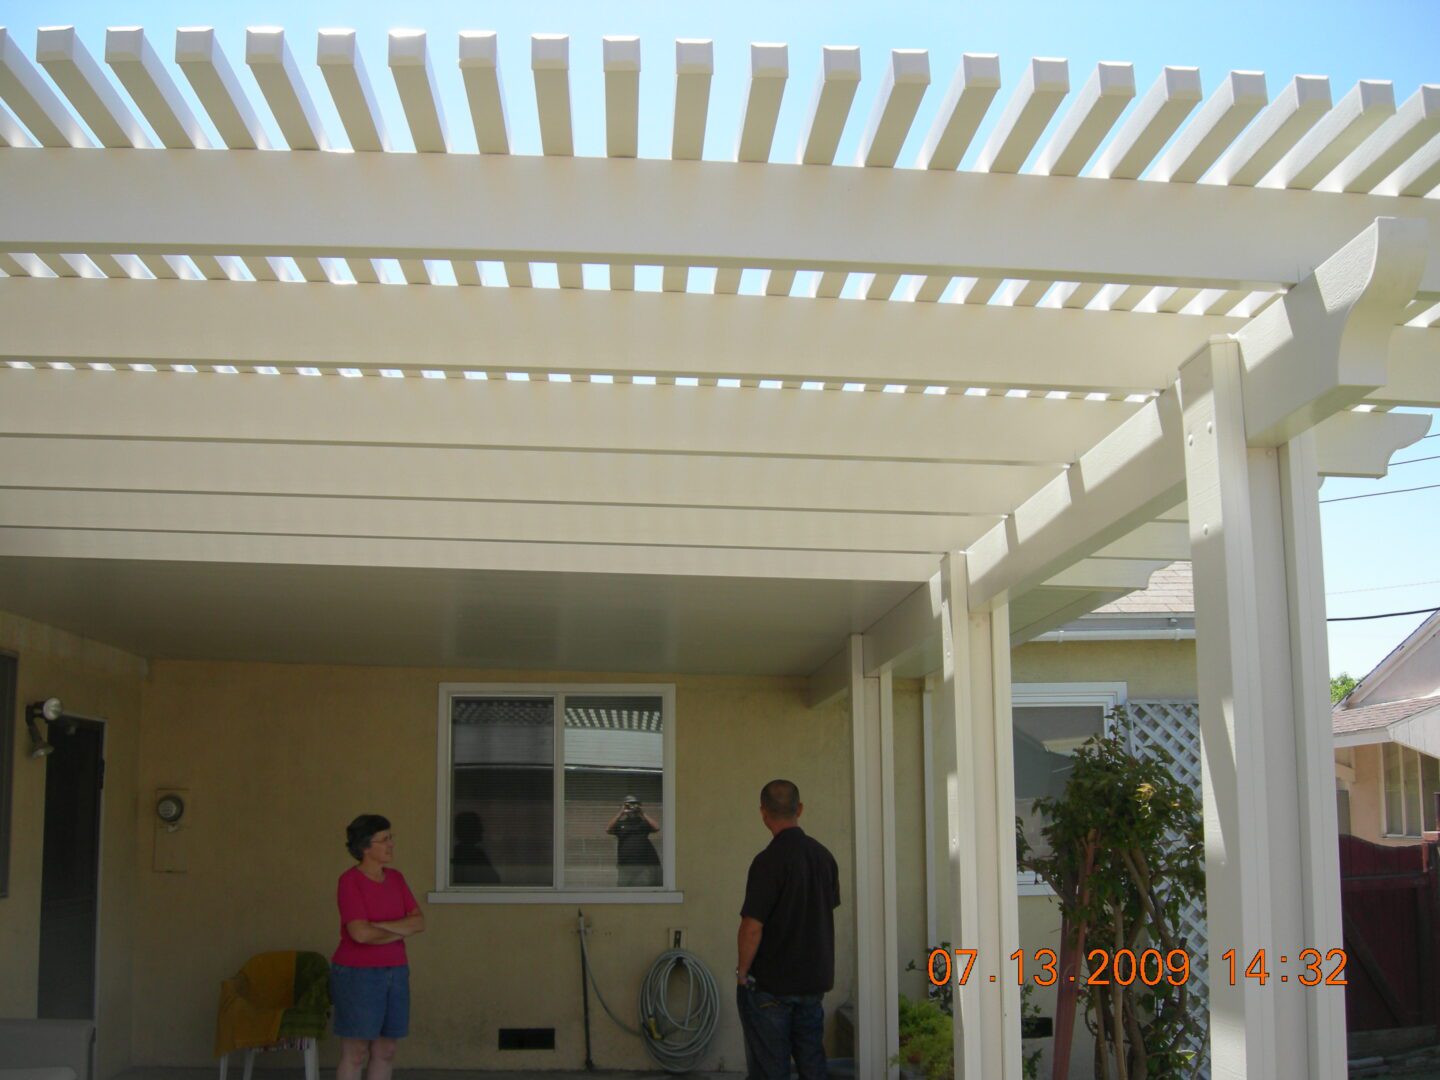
{"points": [[921, 1024], [1340, 686], [1127, 852]]}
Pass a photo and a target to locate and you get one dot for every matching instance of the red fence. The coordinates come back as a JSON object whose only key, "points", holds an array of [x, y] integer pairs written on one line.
{"points": [[1390, 897]]}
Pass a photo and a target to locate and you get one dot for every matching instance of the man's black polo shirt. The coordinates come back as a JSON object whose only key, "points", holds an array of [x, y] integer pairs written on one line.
{"points": [[793, 889]]}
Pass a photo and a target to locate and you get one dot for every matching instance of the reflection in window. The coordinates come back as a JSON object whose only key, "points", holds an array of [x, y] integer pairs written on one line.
{"points": [[1412, 780], [503, 791], [1045, 739], [614, 791]]}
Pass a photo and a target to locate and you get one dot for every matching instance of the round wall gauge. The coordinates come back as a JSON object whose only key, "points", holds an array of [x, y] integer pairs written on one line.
{"points": [[170, 809]]}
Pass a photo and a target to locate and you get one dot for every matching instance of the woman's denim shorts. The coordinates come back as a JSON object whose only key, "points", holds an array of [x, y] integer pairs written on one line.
{"points": [[370, 1002]]}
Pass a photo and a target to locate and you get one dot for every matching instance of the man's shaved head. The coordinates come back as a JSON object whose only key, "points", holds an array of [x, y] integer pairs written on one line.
{"points": [[780, 798]]}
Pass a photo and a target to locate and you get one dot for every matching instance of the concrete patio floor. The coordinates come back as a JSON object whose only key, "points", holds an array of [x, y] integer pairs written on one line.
{"points": [[401, 1073]]}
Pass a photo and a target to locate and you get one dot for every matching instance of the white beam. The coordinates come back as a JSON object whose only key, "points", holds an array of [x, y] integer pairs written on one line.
{"points": [[1325, 344], [62, 53], [284, 88], [906, 80], [1042, 88], [11, 133], [622, 95], [200, 57], [531, 415], [1413, 125], [154, 92], [977, 79], [1369, 104], [599, 210], [340, 62], [1418, 176], [550, 65], [1096, 108], [409, 61], [830, 106], [1362, 443], [37, 106], [769, 70], [480, 69], [1159, 114], [445, 474], [1214, 127], [1059, 609], [694, 67]]}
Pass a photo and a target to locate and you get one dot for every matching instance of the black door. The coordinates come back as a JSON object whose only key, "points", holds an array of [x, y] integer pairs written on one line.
{"points": [[70, 879]]}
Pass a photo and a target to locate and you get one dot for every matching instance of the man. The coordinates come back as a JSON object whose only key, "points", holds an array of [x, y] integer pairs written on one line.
{"points": [[786, 943], [636, 861]]}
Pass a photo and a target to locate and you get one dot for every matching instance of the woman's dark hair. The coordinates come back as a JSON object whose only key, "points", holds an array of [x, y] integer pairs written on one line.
{"points": [[359, 832]]}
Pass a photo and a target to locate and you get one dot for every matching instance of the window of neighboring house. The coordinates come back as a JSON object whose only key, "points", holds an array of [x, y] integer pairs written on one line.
{"points": [[548, 792], [1050, 722], [1411, 780]]}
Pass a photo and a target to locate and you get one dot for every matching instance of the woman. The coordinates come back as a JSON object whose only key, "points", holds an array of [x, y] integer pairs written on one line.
{"points": [[369, 973]]}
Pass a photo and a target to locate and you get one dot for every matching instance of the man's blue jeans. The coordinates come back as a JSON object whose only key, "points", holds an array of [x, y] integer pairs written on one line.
{"points": [[777, 1027]]}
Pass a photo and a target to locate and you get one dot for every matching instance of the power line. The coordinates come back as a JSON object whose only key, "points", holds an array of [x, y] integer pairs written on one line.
{"points": [[1413, 460], [1387, 615], [1374, 494], [1383, 588]]}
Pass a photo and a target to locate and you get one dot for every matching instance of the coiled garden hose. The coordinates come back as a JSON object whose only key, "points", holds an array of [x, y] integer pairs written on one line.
{"points": [[676, 1042]]}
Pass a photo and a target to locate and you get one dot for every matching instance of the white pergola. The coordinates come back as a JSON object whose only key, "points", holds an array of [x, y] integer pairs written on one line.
{"points": [[995, 397]]}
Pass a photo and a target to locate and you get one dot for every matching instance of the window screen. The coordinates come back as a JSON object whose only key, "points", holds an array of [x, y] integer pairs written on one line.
{"points": [[1045, 739]]}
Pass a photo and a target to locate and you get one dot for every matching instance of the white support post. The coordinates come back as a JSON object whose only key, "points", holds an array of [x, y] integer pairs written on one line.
{"points": [[979, 772], [1272, 868], [877, 1031]]}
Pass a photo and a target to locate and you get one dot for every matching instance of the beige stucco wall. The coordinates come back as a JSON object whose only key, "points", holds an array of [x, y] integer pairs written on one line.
{"points": [[94, 680], [277, 758], [1157, 670], [1367, 815]]}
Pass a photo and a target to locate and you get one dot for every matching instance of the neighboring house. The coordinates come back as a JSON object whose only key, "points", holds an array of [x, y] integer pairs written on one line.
{"points": [[1387, 744]]}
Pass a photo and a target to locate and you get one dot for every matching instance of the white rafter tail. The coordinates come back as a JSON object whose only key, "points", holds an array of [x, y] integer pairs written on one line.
{"points": [[570, 275], [37, 106], [1325, 345], [467, 272], [1175, 300], [906, 80], [622, 96], [1123, 481], [830, 107], [1220, 301], [1277, 129], [1412, 126], [110, 266], [1418, 176], [60, 265], [779, 282], [273, 66], [1339, 132], [344, 70], [157, 97], [694, 68], [622, 277], [311, 269], [1073, 294], [517, 275], [879, 286], [1022, 293], [11, 131], [163, 268], [1360, 444], [829, 284], [409, 60], [1090, 575], [1122, 297], [211, 268], [550, 65], [414, 271], [62, 53], [261, 268], [198, 52], [480, 70], [769, 71], [727, 280], [1159, 114], [927, 289], [977, 80], [12, 266], [675, 279], [1096, 108], [980, 290], [363, 271], [1222, 118], [1044, 85]]}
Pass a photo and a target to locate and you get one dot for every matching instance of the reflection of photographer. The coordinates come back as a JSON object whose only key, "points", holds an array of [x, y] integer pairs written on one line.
{"points": [[635, 856]]}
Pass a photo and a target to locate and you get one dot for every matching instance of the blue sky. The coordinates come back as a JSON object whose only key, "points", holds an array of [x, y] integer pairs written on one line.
{"points": [[1379, 552]]}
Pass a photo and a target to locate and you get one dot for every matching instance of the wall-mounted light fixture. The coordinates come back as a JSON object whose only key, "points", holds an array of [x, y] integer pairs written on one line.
{"points": [[49, 709]]}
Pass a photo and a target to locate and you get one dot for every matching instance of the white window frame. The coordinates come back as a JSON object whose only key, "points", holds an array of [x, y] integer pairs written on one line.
{"points": [[1108, 695], [1420, 756], [666, 893]]}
